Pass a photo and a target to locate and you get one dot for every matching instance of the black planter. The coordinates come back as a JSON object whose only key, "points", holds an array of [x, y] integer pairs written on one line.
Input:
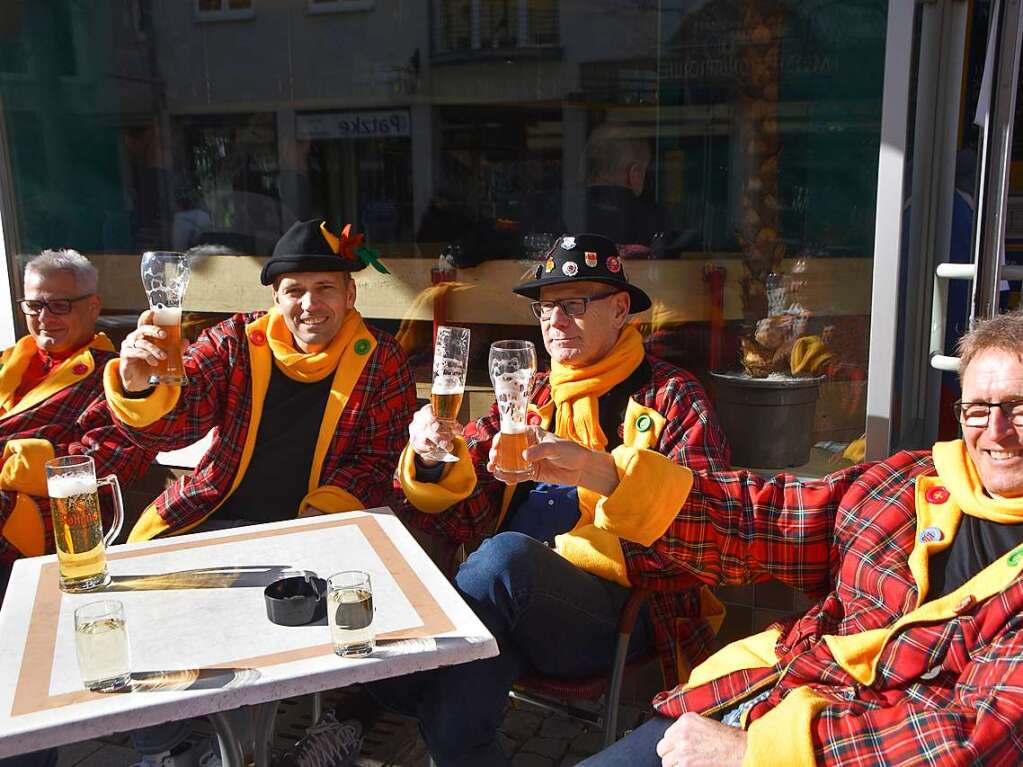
{"points": [[768, 422]]}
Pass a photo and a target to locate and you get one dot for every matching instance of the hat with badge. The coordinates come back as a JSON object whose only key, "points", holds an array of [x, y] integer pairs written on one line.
{"points": [[309, 246], [583, 258]]}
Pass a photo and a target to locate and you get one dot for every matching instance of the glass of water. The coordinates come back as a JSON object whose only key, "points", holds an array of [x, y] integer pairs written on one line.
{"points": [[350, 613], [101, 641]]}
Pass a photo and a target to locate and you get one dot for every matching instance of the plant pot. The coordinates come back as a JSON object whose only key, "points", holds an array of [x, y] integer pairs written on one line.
{"points": [[768, 422]]}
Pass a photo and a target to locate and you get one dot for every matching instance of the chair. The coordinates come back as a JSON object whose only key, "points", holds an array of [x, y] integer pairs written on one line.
{"points": [[554, 693]]}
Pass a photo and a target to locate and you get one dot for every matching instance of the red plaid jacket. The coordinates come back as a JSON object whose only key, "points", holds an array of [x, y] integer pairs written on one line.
{"points": [[946, 692], [370, 434], [692, 437], [75, 421]]}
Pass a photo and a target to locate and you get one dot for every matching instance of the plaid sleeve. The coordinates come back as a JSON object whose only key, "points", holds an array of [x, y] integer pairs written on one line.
{"points": [[692, 437], [208, 363], [979, 726], [366, 469], [99, 437]]}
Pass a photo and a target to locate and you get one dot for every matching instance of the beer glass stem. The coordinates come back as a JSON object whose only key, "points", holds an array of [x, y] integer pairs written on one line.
{"points": [[115, 527]]}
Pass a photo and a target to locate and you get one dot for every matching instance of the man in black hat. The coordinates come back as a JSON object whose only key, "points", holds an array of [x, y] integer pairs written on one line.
{"points": [[328, 396], [563, 549]]}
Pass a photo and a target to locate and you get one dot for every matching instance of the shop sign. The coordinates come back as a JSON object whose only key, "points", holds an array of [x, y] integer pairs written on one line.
{"points": [[333, 125]]}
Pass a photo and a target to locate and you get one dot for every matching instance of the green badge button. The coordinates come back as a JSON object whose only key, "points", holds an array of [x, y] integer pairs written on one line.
{"points": [[1015, 557], [644, 422], [361, 346]]}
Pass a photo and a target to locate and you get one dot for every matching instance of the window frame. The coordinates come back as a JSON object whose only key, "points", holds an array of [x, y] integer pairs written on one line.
{"points": [[224, 13]]}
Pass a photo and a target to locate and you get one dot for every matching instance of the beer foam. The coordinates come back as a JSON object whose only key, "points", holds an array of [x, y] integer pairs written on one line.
{"points": [[447, 385], [167, 316], [71, 484], [512, 427]]}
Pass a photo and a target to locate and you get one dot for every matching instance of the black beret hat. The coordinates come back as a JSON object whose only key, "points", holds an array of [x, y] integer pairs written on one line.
{"points": [[584, 258], [309, 246]]}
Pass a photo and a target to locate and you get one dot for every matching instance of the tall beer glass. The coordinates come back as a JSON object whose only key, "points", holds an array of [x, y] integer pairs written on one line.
{"points": [[450, 361], [165, 278], [77, 524], [512, 365]]}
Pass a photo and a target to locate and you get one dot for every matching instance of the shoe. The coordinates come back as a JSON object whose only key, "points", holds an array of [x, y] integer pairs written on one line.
{"points": [[329, 743]]}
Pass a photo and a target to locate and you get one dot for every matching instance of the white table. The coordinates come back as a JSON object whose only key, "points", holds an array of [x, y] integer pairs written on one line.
{"points": [[201, 642]]}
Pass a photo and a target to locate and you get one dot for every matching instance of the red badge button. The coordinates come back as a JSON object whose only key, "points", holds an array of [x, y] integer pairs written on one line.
{"points": [[533, 419], [258, 337], [936, 495], [80, 369]]}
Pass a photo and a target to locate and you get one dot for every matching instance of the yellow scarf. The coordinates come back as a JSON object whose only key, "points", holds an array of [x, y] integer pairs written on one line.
{"points": [[960, 477], [576, 390], [314, 366], [16, 361]]}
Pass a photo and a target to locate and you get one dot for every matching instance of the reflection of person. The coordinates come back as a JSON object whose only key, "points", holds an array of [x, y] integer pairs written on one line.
{"points": [[191, 220], [912, 653], [616, 166], [51, 400], [328, 396], [556, 609]]}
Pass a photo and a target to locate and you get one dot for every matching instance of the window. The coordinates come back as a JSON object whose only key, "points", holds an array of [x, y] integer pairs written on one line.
{"points": [[495, 25], [339, 6], [223, 10]]}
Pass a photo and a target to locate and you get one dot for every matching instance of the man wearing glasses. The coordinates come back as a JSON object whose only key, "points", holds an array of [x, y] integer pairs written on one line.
{"points": [[913, 653], [550, 580], [51, 400]]}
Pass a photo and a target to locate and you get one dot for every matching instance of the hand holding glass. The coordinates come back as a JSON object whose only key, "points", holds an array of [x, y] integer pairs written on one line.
{"points": [[512, 366], [450, 362], [77, 525], [165, 277], [101, 643]]}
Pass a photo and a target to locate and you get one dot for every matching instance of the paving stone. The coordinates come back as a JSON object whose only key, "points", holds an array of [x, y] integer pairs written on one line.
{"points": [[521, 725], [509, 745], [532, 760], [573, 759], [68, 756], [588, 742], [552, 748], [560, 727], [110, 756]]}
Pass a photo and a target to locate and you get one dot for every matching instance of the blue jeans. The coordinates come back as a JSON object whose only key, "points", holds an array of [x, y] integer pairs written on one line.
{"points": [[545, 613], [639, 749]]}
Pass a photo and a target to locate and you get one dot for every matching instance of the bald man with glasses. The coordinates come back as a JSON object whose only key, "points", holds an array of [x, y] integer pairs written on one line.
{"points": [[561, 550], [51, 401]]}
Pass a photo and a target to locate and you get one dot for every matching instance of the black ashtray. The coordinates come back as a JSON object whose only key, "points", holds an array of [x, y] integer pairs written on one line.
{"points": [[296, 601]]}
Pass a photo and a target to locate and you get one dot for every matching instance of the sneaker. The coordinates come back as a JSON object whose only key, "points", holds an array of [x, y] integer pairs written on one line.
{"points": [[329, 743]]}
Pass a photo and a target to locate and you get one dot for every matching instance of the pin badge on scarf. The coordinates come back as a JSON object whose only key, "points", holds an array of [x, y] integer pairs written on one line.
{"points": [[570, 268], [567, 243], [591, 259], [931, 535]]}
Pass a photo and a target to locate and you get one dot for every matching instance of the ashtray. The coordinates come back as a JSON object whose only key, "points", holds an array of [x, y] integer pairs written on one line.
{"points": [[296, 601]]}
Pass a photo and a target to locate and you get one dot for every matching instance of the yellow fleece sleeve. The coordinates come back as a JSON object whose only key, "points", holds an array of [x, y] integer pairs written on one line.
{"points": [[756, 651], [330, 500], [594, 551], [455, 485], [150, 524], [24, 466], [651, 489], [782, 737], [24, 527], [141, 412]]}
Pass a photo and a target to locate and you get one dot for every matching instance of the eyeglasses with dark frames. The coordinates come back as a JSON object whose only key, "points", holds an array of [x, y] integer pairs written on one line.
{"points": [[573, 307], [34, 307], [977, 414]]}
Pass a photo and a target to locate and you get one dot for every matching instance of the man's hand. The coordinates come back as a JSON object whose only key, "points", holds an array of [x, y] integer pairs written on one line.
{"points": [[696, 741], [139, 353], [562, 462], [426, 433]]}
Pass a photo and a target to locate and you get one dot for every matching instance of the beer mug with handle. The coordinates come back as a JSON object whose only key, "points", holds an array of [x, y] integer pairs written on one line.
{"points": [[512, 366], [165, 277], [77, 524]]}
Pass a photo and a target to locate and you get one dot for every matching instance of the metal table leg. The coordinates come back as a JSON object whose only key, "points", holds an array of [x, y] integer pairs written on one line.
{"points": [[231, 750], [263, 718]]}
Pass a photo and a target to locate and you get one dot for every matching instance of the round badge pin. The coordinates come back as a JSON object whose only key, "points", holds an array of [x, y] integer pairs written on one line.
{"points": [[570, 268], [80, 369], [931, 535], [644, 422], [937, 494], [361, 346], [258, 337], [533, 419], [614, 264]]}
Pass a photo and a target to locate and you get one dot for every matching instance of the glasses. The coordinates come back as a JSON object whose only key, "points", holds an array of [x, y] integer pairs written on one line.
{"points": [[33, 307], [977, 414], [573, 307]]}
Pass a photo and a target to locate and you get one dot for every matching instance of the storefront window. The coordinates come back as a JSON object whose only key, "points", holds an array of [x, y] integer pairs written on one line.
{"points": [[730, 147]]}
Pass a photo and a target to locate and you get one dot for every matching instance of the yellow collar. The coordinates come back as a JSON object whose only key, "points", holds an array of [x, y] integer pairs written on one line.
{"points": [[959, 475], [314, 366]]}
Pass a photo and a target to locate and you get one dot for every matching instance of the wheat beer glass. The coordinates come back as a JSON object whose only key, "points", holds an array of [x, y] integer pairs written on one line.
{"points": [[350, 613], [101, 643], [165, 278], [512, 365], [450, 360], [77, 525]]}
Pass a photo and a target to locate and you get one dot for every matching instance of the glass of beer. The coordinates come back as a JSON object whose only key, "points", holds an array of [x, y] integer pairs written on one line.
{"points": [[165, 278], [77, 525], [101, 643], [512, 365], [450, 361], [350, 613]]}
